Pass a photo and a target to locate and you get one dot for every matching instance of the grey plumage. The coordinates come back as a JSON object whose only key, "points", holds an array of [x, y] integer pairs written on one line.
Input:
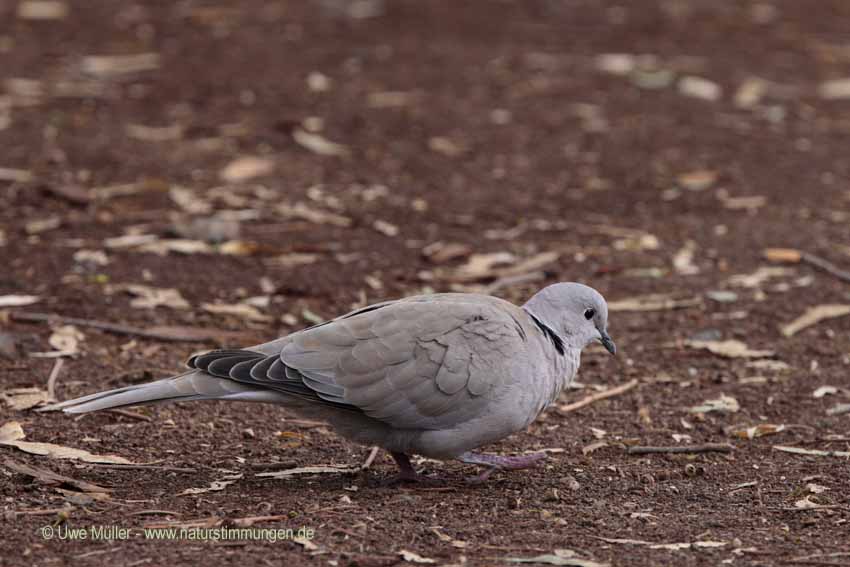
{"points": [[437, 375]]}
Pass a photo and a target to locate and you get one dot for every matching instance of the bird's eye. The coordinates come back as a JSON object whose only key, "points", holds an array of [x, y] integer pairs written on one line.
{"points": [[589, 314]]}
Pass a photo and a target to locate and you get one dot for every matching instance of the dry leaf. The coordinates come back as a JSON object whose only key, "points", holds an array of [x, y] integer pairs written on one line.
{"points": [[24, 398], [697, 180], [155, 134], [42, 10], [152, 297], [43, 225], [317, 216], [51, 478], [654, 302], [683, 261], [835, 89], [757, 278], [214, 486], [839, 409], [481, 266], [16, 175], [729, 349], [176, 245], [111, 65], [18, 300], [187, 200], [814, 315], [824, 391], [445, 146], [245, 168], [129, 241], [783, 255], [411, 557], [722, 404], [12, 434], [66, 340], [811, 452], [316, 469], [318, 144], [770, 365], [242, 310], [442, 252], [292, 260], [385, 228], [757, 431]]}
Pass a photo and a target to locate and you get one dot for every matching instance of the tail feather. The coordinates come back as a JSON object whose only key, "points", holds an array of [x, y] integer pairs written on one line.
{"points": [[192, 385]]}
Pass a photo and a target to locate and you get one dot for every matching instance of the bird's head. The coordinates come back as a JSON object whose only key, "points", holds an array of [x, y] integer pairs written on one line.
{"points": [[576, 312]]}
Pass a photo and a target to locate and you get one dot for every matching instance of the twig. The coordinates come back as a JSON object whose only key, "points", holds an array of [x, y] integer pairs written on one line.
{"points": [[596, 397], [193, 335], [51, 380], [370, 458], [825, 266], [130, 414], [707, 448], [143, 467]]}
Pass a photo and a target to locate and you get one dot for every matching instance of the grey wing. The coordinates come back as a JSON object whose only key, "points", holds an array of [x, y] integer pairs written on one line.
{"points": [[417, 363]]}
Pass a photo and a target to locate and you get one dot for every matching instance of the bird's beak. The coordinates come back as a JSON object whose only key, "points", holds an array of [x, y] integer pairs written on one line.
{"points": [[608, 343]]}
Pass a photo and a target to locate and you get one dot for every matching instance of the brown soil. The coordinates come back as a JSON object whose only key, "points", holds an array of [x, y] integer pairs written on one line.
{"points": [[235, 77]]}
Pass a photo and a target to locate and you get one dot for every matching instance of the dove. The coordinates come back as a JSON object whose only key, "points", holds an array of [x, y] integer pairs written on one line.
{"points": [[436, 375]]}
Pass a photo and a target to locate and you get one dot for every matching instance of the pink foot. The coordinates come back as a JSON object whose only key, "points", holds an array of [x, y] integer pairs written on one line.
{"points": [[498, 462]]}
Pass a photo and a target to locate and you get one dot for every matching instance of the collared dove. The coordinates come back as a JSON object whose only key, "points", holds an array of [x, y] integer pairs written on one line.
{"points": [[435, 375]]}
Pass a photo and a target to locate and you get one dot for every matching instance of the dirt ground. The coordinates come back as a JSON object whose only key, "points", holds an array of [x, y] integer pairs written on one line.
{"points": [[317, 151]]}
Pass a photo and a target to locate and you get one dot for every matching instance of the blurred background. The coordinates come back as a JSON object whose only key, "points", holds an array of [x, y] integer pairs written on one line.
{"points": [[180, 175]]}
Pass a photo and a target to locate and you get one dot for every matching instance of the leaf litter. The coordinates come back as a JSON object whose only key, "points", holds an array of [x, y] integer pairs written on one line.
{"points": [[12, 434]]}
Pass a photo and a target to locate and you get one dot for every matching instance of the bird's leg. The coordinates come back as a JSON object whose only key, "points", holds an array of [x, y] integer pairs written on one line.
{"points": [[406, 472], [498, 462]]}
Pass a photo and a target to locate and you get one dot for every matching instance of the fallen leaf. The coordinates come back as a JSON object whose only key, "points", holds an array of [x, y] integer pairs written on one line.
{"points": [[51, 478], [176, 245], [445, 146], [729, 349], [189, 201], [152, 297], [835, 89], [771, 365], [783, 255], [155, 134], [750, 93], [242, 310], [42, 10], [561, 559], [824, 391], [413, 557], [318, 144], [838, 409], [43, 225], [758, 431], [317, 216], [698, 87], [811, 452], [683, 260], [757, 278], [245, 168], [215, 486], [722, 404], [653, 302], [698, 180], [292, 260], [111, 65], [385, 228], [481, 266], [18, 300], [316, 469], [442, 252], [816, 488], [814, 315], [16, 175], [24, 398], [12, 434]]}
